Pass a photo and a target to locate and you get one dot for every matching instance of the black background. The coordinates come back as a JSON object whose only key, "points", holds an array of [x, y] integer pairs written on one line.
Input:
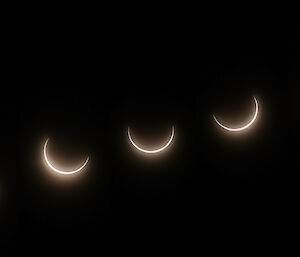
{"points": [[83, 88]]}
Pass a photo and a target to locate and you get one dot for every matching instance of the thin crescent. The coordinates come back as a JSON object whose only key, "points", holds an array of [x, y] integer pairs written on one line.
{"points": [[152, 151], [244, 127], [61, 171]]}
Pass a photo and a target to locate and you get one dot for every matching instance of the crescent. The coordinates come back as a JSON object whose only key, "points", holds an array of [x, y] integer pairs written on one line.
{"points": [[244, 127], [151, 151], [61, 171]]}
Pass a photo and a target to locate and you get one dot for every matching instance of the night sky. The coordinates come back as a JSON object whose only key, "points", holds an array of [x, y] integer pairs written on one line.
{"points": [[83, 91]]}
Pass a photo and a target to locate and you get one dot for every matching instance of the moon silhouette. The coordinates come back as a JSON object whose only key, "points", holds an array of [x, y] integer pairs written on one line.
{"points": [[151, 151], [243, 127], [63, 172]]}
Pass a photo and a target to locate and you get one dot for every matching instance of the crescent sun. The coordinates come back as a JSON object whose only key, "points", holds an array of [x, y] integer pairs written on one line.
{"points": [[151, 151], [245, 126], [70, 172]]}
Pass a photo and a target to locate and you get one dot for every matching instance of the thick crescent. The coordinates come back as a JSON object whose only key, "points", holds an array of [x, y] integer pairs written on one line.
{"points": [[61, 171], [151, 151], [244, 127]]}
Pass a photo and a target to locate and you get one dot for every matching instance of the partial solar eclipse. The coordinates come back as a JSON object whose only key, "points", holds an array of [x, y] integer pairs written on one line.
{"points": [[243, 127], [63, 172], [151, 151]]}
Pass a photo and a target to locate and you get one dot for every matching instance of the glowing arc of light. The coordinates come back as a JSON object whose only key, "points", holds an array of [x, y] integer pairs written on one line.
{"points": [[151, 151], [244, 127], [61, 171]]}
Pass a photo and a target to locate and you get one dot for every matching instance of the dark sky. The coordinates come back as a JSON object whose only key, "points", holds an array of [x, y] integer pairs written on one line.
{"points": [[83, 92]]}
